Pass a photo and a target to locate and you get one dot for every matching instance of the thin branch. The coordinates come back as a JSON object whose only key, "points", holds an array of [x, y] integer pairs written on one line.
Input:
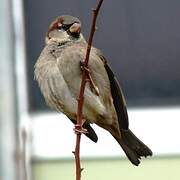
{"points": [[78, 127]]}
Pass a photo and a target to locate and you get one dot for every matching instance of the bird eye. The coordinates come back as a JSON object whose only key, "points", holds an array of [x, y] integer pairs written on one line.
{"points": [[64, 27], [59, 26]]}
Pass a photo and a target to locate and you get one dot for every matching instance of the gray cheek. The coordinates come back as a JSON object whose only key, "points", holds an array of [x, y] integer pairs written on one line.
{"points": [[59, 35]]}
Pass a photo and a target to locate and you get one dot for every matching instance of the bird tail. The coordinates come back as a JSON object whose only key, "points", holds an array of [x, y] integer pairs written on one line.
{"points": [[133, 147]]}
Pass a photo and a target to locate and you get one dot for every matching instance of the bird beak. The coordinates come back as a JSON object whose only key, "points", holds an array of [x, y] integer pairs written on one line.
{"points": [[75, 28]]}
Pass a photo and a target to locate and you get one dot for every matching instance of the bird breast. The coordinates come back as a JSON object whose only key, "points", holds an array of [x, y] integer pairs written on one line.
{"points": [[58, 74]]}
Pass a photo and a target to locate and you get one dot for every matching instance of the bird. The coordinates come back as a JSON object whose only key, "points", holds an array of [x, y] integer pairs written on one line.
{"points": [[58, 71]]}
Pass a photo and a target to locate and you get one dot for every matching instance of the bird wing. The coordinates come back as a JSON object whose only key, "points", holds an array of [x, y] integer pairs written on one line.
{"points": [[118, 97]]}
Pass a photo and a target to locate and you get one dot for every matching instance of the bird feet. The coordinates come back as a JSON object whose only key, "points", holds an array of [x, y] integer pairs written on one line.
{"points": [[78, 129], [89, 78]]}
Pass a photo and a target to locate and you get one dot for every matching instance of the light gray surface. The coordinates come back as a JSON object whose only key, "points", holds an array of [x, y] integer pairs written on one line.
{"points": [[7, 95]]}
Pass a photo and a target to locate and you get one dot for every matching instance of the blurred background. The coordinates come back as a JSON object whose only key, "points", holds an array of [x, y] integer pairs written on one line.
{"points": [[141, 41]]}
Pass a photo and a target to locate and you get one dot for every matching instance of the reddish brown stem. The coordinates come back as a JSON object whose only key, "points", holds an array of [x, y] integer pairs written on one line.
{"points": [[81, 93]]}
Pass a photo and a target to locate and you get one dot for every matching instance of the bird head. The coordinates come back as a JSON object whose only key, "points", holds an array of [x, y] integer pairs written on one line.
{"points": [[64, 28]]}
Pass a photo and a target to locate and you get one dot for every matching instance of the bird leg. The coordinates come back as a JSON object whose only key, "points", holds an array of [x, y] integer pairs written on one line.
{"points": [[89, 78]]}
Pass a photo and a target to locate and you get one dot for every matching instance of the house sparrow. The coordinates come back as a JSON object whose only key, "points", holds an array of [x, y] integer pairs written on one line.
{"points": [[58, 72]]}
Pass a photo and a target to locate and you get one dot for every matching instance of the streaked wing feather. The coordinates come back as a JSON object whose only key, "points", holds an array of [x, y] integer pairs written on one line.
{"points": [[118, 97]]}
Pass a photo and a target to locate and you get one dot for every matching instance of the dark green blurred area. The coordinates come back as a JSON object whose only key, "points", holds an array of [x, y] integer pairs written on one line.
{"points": [[166, 168]]}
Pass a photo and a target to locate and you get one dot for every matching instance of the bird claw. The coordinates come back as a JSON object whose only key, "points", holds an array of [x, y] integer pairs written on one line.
{"points": [[79, 129]]}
